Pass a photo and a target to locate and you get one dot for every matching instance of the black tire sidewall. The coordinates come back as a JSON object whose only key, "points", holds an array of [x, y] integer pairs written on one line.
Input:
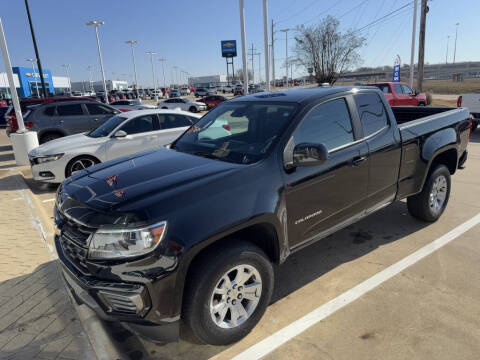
{"points": [[199, 317], [193, 109], [440, 170], [68, 170]]}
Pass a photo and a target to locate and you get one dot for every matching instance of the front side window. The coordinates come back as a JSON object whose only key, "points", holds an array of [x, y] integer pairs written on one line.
{"points": [[107, 127], [328, 124], [406, 89], [384, 88], [373, 115], [237, 132], [139, 125], [70, 110]]}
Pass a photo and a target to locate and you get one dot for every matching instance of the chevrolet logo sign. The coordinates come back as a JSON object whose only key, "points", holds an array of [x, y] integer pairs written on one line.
{"points": [[228, 44]]}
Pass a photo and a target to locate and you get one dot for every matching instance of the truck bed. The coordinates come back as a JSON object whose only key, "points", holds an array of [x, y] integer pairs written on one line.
{"points": [[404, 114]]}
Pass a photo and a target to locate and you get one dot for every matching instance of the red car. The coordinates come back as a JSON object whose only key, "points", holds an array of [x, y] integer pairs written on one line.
{"points": [[213, 100], [400, 94]]}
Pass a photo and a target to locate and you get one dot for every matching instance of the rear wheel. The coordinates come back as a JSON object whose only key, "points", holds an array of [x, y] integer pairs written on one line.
{"points": [[432, 201], [192, 109], [421, 104], [49, 137], [226, 298], [80, 163]]}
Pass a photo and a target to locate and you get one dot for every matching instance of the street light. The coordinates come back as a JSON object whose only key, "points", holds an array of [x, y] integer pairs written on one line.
{"points": [[133, 42], [96, 24], [455, 48], [67, 71], [176, 74], [286, 52], [32, 61], [163, 60], [446, 55], [151, 53], [90, 76]]}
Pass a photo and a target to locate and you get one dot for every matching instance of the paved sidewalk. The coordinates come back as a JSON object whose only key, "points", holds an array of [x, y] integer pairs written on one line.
{"points": [[37, 318]]}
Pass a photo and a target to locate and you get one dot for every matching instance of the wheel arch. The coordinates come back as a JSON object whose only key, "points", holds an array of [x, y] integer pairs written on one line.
{"points": [[46, 132]]}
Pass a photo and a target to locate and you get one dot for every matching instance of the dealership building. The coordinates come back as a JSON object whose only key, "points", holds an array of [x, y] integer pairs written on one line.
{"points": [[28, 83], [207, 81]]}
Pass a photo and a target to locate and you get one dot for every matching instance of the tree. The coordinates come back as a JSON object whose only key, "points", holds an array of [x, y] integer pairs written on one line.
{"points": [[326, 50], [239, 75]]}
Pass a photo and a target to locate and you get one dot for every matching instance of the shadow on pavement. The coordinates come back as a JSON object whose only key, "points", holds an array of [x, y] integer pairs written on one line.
{"points": [[475, 136], [37, 319]]}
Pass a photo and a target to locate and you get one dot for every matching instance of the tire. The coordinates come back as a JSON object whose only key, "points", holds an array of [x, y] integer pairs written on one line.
{"points": [[207, 275], [74, 164], [164, 107], [49, 137], [421, 104], [192, 109], [437, 186]]}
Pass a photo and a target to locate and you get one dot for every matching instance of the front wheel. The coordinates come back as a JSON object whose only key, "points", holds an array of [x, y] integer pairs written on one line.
{"points": [[79, 163], [192, 109], [227, 297], [432, 201]]}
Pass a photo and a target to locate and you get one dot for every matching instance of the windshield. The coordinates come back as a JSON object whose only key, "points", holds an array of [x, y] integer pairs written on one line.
{"points": [[107, 127], [237, 132]]}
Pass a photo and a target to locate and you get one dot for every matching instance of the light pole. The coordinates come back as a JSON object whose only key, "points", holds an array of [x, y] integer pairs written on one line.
{"points": [[90, 80], [265, 39], [67, 71], [96, 24], [32, 61], [446, 55], [412, 51], [244, 49], [133, 42], [163, 60], [286, 52], [151, 53], [455, 48], [176, 74], [259, 69]]}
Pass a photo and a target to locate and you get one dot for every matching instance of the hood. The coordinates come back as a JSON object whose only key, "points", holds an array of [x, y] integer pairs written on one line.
{"points": [[130, 183], [64, 144]]}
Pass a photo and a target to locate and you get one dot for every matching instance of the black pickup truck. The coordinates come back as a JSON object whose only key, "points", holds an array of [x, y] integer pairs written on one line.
{"points": [[191, 233]]}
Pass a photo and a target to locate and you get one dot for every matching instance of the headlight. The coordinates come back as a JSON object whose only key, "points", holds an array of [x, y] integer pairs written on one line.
{"points": [[48, 158], [121, 243]]}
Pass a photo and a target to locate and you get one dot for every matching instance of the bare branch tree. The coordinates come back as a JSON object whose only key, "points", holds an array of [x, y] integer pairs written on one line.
{"points": [[326, 50], [239, 74]]}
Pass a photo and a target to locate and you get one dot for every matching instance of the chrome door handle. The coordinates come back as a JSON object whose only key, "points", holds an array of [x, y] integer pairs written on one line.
{"points": [[358, 160]]}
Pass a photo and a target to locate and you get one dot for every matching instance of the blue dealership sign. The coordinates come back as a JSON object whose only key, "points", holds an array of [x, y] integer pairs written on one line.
{"points": [[396, 73], [229, 48]]}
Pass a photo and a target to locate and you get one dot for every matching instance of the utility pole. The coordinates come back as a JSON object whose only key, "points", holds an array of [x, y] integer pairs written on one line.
{"points": [[412, 51], [163, 60], [244, 44], [265, 44], [421, 44], [273, 57], [286, 53], [253, 67], [67, 72], [455, 48], [259, 69], [39, 63], [90, 78], [446, 54]]}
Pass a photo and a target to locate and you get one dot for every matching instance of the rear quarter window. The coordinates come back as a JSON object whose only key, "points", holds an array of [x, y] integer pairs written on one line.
{"points": [[49, 111], [372, 113]]}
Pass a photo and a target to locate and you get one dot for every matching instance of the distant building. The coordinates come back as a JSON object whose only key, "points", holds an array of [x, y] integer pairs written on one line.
{"points": [[98, 85], [208, 81], [28, 83]]}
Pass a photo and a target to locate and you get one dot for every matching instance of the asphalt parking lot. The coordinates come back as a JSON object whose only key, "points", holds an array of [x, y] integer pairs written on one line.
{"points": [[429, 310]]}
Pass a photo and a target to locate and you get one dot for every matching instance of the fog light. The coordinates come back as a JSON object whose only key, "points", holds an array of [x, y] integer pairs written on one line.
{"points": [[46, 174], [123, 302]]}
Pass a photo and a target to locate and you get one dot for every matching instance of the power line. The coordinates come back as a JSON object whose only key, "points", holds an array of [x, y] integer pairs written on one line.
{"points": [[298, 12], [384, 16], [323, 12]]}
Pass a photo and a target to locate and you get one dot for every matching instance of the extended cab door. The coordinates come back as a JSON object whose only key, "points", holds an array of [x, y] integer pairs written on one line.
{"points": [[384, 145], [141, 135], [322, 198]]}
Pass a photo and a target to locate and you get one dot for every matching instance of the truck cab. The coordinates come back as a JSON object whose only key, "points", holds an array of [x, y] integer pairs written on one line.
{"points": [[401, 94]]}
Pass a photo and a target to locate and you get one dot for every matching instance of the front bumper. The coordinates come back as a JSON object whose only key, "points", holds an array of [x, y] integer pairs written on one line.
{"points": [[52, 172], [132, 304]]}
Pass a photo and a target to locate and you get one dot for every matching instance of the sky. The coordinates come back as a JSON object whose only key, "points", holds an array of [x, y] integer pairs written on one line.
{"points": [[187, 33]]}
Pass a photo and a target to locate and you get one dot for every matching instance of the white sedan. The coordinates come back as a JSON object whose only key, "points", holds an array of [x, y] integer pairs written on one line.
{"points": [[123, 134], [131, 104], [182, 104]]}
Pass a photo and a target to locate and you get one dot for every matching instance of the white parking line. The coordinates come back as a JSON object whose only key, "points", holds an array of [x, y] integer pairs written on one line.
{"points": [[279, 338], [48, 200]]}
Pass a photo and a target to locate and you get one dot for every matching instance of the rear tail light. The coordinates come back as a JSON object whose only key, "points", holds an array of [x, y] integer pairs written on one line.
{"points": [[459, 101], [226, 127], [28, 124], [470, 124], [125, 110], [12, 121]]}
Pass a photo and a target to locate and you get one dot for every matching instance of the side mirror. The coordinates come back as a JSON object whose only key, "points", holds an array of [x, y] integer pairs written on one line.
{"points": [[308, 154], [120, 134]]}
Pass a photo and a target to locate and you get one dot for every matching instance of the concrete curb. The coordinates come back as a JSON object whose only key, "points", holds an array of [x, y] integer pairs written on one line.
{"points": [[95, 329]]}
